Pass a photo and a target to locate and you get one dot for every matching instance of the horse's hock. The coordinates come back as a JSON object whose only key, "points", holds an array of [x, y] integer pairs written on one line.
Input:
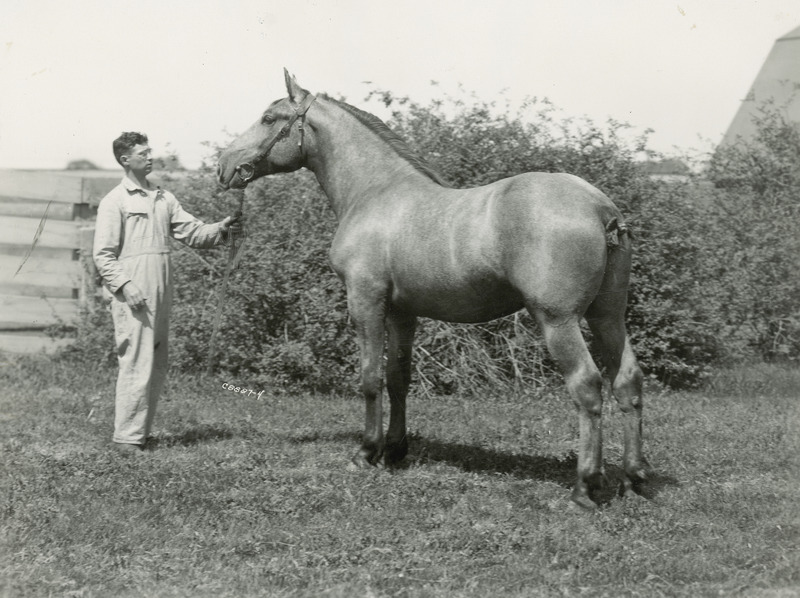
{"points": [[46, 272]]}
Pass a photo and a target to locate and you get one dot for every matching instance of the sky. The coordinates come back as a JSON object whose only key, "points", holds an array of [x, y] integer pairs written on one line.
{"points": [[74, 74]]}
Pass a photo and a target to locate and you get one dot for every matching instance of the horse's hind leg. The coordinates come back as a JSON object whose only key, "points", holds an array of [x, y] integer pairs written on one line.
{"points": [[626, 385], [401, 329], [566, 345]]}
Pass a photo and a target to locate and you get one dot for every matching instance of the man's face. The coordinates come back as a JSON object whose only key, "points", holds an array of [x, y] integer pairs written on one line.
{"points": [[139, 159]]}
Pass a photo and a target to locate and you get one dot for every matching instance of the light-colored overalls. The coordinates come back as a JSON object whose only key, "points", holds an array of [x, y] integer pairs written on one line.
{"points": [[131, 243]]}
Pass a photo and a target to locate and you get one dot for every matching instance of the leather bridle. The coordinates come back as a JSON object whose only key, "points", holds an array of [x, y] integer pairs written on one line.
{"points": [[247, 170]]}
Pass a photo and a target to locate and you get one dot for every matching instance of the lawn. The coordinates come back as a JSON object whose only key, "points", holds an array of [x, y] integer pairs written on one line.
{"points": [[240, 496]]}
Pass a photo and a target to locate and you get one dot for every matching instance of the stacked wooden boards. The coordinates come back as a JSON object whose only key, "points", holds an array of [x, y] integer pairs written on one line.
{"points": [[44, 284]]}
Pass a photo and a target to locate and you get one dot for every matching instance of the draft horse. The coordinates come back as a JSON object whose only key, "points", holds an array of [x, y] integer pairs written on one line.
{"points": [[408, 246]]}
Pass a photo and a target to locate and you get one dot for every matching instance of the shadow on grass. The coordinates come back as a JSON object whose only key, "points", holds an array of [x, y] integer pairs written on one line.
{"points": [[559, 470], [470, 458], [476, 459], [350, 437], [198, 435]]}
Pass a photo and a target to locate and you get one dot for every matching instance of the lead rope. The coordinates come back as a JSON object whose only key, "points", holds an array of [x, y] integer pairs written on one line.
{"points": [[233, 262]]}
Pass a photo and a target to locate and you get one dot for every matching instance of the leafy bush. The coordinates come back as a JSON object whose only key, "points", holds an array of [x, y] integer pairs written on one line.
{"points": [[714, 273], [673, 305], [285, 315], [757, 201], [94, 337], [671, 327]]}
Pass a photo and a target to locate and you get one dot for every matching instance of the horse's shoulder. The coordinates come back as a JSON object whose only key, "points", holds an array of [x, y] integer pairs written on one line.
{"points": [[352, 244]]}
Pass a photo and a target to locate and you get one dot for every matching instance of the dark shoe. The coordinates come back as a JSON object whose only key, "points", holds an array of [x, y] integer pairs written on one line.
{"points": [[127, 449]]}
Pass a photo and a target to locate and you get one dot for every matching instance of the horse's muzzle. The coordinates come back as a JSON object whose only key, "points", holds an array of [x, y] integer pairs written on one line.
{"points": [[229, 182]]}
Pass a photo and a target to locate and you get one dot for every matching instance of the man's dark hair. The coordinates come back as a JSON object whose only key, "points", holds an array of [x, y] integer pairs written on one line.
{"points": [[125, 142]]}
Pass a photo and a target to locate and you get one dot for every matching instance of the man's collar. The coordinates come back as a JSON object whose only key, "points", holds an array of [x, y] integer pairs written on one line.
{"points": [[134, 187]]}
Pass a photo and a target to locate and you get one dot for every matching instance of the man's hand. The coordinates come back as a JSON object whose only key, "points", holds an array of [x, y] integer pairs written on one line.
{"points": [[232, 224], [133, 296]]}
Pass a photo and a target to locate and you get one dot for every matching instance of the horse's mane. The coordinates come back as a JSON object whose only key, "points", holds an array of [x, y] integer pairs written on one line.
{"points": [[401, 148]]}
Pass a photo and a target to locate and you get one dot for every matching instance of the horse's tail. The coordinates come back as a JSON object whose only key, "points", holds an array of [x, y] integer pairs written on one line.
{"points": [[616, 230], [612, 297]]}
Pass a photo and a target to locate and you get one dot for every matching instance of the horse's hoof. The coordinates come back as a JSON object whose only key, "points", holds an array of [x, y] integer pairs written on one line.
{"points": [[639, 472], [582, 504], [630, 485], [632, 496], [582, 500], [394, 453], [597, 481], [635, 477], [359, 461]]}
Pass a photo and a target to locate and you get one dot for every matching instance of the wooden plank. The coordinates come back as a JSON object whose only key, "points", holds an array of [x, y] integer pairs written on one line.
{"points": [[32, 208], [56, 253], [42, 272], [38, 289], [95, 189], [68, 186], [70, 271], [35, 312], [30, 342], [56, 233], [31, 184]]}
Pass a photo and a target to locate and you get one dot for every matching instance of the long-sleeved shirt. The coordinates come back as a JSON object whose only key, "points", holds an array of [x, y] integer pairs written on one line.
{"points": [[135, 221]]}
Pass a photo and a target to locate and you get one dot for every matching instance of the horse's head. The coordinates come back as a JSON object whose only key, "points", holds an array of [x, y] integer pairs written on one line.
{"points": [[274, 143]]}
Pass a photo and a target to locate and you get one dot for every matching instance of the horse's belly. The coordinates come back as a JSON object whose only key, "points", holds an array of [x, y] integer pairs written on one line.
{"points": [[465, 303]]}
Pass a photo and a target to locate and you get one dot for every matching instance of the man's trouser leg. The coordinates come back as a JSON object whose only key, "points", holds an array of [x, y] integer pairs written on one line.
{"points": [[160, 366], [134, 337]]}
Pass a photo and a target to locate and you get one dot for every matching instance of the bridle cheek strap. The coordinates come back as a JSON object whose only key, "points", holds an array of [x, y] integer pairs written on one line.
{"points": [[247, 170]]}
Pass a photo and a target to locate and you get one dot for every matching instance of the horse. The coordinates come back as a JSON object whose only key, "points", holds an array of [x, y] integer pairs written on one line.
{"points": [[408, 246]]}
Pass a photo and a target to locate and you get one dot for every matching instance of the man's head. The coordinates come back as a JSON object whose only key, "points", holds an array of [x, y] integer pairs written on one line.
{"points": [[133, 152]]}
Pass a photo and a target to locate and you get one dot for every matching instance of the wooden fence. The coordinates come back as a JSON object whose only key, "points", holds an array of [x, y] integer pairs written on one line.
{"points": [[46, 285]]}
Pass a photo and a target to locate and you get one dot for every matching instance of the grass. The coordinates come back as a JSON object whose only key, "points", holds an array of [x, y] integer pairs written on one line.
{"points": [[243, 497]]}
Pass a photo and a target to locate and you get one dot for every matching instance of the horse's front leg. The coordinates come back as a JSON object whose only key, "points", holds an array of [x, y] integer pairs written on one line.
{"points": [[367, 310], [401, 329]]}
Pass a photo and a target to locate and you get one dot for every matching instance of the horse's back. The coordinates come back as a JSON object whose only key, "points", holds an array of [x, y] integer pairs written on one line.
{"points": [[547, 196]]}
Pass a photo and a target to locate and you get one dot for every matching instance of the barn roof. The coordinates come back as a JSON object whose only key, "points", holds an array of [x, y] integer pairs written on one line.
{"points": [[793, 34], [778, 80]]}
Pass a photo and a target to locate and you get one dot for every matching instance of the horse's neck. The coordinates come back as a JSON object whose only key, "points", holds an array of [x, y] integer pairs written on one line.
{"points": [[353, 164]]}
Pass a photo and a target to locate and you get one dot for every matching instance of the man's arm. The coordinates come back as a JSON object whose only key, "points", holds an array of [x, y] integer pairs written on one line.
{"points": [[191, 231], [107, 244]]}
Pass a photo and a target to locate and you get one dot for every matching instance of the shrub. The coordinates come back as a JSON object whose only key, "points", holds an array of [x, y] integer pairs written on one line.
{"points": [[670, 326], [714, 273], [285, 316], [673, 306], [757, 202]]}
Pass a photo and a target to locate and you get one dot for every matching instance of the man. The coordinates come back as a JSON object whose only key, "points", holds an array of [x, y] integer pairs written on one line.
{"points": [[131, 251]]}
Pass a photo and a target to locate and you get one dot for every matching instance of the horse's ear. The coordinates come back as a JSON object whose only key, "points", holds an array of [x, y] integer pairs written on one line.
{"points": [[296, 93]]}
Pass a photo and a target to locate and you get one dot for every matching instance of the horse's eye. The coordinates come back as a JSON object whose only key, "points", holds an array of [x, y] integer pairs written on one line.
{"points": [[267, 119]]}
